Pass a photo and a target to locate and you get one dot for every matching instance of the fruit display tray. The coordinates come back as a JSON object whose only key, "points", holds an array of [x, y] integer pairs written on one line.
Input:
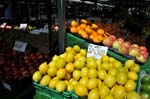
{"points": [[127, 56], [73, 39], [43, 92]]}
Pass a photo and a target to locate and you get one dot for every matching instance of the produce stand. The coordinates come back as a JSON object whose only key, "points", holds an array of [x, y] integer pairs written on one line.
{"points": [[49, 93], [42, 42]]}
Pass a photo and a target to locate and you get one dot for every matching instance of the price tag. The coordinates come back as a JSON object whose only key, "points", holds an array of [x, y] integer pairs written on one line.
{"points": [[8, 27], [23, 26], [3, 25], [7, 86], [20, 46], [96, 50]]}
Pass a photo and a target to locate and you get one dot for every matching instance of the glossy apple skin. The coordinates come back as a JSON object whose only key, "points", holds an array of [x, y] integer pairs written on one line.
{"points": [[109, 41], [134, 51], [141, 58], [143, 48]]}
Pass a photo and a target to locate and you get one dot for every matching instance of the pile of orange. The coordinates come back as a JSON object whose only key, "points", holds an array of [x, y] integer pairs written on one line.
{"points": [[88, 30]]}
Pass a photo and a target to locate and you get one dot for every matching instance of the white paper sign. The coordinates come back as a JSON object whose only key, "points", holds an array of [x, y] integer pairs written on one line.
{"points": [[20, 46], [3, 25], [7, 86], [96, 50], [23, 26]]}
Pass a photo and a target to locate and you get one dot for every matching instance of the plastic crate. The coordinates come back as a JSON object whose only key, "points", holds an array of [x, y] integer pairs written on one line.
{"points": [[141, 75], [74, 96], [49, 93], [145, 70], [74, 40], [42, 96], [117, 56], [146, 66]]}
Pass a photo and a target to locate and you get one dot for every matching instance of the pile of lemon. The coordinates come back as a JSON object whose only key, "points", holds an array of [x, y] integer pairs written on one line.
{"points": [[104, 78]]}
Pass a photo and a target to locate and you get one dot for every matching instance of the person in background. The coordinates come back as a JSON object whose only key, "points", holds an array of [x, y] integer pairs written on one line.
{"points": [[11, 11]]}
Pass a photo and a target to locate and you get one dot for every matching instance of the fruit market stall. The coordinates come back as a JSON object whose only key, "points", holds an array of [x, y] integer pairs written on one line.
{"points": [[73, 75], [96, 53], [17, 65], [111, 35], [16, 69]]}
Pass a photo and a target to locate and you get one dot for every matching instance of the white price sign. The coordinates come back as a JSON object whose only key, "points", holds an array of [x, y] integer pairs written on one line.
{"points": [[3, 25], [23, 26], [96, 50], [20, 46], [7, 86]]}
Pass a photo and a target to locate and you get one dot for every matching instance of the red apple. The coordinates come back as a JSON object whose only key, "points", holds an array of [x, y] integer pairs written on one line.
{"points": [[23, 69], [7, 69], [143, 48], [109, 41], [25, 73], [16, 74], [124, 50], [112, 37], [14, 69], [117, 43], [145, 54], [121, 40], [134, 45], [141, 58], [127, 44], [134, 51], [33, 56]]}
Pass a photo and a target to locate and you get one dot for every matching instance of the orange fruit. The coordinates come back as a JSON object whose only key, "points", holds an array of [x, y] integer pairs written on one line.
{"points": [[80, 31], [83, 26], [74, 23], [78, 28], [101, 38], [100, 31], [85, 35], [73, 29], [84, 21], [96, 40], [94, 33], [88, 30], [94, 26]]}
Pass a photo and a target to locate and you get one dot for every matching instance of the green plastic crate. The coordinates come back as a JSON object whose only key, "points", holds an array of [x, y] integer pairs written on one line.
{"points": [[74, 96], [145, 70], [42, 96], [142, 74], [49, 93], [74, 40], [117, 56], [146, 65]]}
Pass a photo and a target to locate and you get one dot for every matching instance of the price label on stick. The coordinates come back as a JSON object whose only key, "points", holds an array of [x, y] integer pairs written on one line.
{"points": [[96, 50], [23, 26], [7, 86], [3, 25], [20, 46]]}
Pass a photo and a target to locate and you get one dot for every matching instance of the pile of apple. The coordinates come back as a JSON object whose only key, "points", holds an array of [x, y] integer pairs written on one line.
{"points": [[14, 65], [104, 78], [136, 51]]}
